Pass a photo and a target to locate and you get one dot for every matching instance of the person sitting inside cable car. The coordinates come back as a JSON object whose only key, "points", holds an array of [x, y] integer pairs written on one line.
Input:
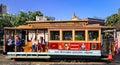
{"points": [[10, 44], [34, 45], [41, 45], [18, 43]]}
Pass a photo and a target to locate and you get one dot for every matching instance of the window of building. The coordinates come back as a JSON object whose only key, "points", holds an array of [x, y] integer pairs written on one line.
{"points": [[54, 35], [67, 35], [93, 35], [79, 35]]}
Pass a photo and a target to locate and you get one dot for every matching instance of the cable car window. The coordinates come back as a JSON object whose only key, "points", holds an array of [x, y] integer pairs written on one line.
{"points": [[79, 35], [54, 35], [93, 35], [67, 35]]}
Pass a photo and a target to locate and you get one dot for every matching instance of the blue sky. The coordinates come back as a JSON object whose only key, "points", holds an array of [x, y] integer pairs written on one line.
{"points": [[63, 9]]}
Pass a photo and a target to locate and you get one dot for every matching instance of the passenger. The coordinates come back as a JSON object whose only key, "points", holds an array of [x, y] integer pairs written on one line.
{"points": [[18, 43], [10, 44], [34, 45], [41, 44]]}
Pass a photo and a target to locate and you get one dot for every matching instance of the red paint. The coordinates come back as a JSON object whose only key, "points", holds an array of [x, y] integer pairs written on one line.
{"points": [[71, 45], [87, 45], [53, 45], [98, 46]]}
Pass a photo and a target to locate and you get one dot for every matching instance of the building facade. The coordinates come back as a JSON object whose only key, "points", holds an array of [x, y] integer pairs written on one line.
{"points": [[3, 9]]}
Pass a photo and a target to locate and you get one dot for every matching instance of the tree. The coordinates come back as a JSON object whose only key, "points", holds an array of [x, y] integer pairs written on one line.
{"points": [[22, 17], [4, 21], [111, 20], [50, 18], [32, 15], [15, 20]]}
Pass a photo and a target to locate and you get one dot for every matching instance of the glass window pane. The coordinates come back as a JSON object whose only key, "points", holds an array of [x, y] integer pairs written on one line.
{"points": [[54, 35], [79, 35], [67, 35], [93, 35]]}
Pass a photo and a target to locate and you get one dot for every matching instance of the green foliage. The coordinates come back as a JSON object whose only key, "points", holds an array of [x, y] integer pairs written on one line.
{"points": [[50, 18], [4, 21], [8, 20], [32, 15], [22, 17], [111, 20]]}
